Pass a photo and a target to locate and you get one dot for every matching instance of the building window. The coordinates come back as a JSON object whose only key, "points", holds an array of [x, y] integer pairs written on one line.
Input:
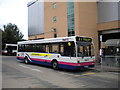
{"points": [[55, 35], [54, 19], [54, 5], [55, 32], [70, 14]]}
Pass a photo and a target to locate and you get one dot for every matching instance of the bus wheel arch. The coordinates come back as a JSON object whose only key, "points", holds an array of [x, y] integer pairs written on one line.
{"points": [[54, 64]]}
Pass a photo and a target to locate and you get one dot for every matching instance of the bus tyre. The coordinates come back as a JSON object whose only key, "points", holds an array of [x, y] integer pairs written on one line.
{"points": [[55, 65], [26, 60]]}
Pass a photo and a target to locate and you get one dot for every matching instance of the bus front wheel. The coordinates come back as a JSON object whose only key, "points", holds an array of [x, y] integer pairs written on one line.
{"points": [[55, 64], [26, 60]]}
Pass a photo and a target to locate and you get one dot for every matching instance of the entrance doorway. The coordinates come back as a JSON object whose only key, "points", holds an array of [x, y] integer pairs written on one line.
{"points": [[110, 52]]}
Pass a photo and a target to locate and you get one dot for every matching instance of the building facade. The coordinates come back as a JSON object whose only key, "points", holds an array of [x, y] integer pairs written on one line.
{"points": [[62, 19], [108, 21], [35, 18]]}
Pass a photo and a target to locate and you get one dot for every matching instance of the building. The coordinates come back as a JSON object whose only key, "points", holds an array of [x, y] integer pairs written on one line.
{"points": [[75, 18], [108, 21]]}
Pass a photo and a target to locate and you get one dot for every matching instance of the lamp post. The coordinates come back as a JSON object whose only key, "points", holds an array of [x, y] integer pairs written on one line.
{"points": [[100, 53]]}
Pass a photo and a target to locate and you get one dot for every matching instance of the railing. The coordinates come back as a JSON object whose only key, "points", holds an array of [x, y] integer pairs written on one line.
{"points": [[112, 60]]}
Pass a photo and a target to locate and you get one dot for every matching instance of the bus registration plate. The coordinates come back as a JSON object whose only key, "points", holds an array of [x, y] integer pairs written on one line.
{"points": [[85, 66]]}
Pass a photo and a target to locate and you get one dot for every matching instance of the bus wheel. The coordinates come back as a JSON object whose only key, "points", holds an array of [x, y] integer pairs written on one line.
{"points": [[54, 64], [26, 60]]}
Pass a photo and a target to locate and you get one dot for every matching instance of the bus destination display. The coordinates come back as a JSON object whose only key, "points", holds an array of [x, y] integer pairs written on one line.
{"points": [[84, 39]]}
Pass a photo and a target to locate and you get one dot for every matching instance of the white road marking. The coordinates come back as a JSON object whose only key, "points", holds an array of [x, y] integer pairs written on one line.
{"points": [[31, 68], [37, 70]]}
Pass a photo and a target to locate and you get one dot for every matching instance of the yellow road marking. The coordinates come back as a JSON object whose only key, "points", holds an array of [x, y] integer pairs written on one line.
{"points": [[77, 75], [88, 73], [83, 74]]}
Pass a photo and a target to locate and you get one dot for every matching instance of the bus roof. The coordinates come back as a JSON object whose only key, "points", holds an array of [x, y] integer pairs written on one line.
{"points": [[59, 39], [11, 44]]}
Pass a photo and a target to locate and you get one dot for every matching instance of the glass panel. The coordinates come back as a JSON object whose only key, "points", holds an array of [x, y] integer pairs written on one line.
{"points": [[55, 35], [70, 6], [85, 49], [54, 19], [12, 47], [54, 5], [112, 50], [61, 49], [54, 48], [68, 49], [47, 49]]}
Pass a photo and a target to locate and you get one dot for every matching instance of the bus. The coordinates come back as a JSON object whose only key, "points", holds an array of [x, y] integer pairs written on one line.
{"points": [[73, 52], [10, 49]]}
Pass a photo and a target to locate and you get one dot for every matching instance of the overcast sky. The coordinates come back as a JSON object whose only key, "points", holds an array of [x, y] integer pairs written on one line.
{"points": [[15, 11]]}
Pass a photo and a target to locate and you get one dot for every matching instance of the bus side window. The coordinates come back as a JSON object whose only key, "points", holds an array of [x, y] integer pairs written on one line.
{"points": [[32, 48], [54, 48], [19, 48], [62, 49], [40, 48], [25, 48], [37, 47], [22, 48], [47, 48]]}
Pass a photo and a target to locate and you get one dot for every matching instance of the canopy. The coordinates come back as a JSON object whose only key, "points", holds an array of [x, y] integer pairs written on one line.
{"points": [[113, 42]]}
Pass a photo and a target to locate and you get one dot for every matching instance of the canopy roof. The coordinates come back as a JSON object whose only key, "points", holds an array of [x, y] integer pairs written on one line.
{"points": [[113, 42]]}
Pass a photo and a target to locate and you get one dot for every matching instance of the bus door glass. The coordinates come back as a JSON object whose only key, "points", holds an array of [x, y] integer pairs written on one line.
{"points": [[68, 49]]}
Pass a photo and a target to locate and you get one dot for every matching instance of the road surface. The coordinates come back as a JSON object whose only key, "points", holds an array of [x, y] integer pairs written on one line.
{"points": [[17, 74]]}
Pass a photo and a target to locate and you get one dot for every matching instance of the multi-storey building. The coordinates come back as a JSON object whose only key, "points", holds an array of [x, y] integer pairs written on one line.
{"points": [[108, 25], [61, 19]]}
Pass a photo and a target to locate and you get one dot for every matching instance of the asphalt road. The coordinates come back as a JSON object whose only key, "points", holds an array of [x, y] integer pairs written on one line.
{"points": [[16, 74]]}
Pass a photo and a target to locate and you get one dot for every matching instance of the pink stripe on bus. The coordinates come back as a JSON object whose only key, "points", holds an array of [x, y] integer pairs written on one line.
{"points": [[66, 63], [4, 52], [20, 57], [86, 63], [40, 60]]}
